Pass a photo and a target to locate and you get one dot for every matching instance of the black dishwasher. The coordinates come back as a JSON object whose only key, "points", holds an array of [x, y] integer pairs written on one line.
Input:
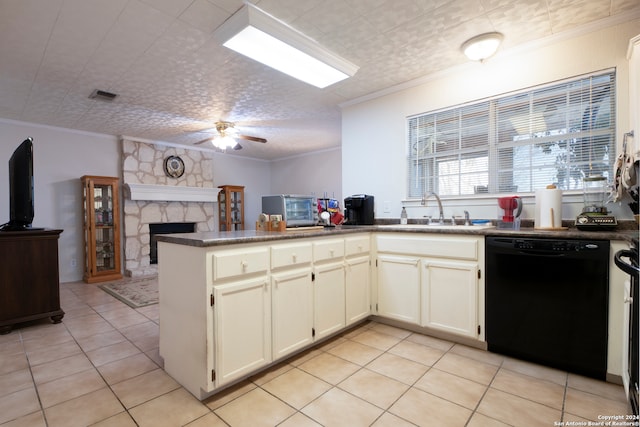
{"points": [[547, 301]]}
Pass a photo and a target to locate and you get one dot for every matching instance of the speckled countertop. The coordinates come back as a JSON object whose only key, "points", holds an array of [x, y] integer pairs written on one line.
{"points": [[625, 231]]}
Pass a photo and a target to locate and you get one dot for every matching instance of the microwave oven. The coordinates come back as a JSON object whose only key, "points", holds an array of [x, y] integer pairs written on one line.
{"points": [[296, 210]]}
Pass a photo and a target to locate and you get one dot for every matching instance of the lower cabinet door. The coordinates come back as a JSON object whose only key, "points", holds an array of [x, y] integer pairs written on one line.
{"points": [[242, 324], [399, 287], [450, 296], [357, 289], [292, 311], [328, 298]]}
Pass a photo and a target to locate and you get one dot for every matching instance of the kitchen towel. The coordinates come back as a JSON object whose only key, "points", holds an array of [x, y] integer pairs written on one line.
{"points": [[548, 208]]}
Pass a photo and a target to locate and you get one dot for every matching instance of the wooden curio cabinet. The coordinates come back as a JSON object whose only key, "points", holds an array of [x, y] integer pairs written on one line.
{"points": [[231, 207], [101, 229]]}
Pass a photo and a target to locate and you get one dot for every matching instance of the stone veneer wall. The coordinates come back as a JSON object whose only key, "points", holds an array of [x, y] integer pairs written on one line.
{"points": [[143, 163]]}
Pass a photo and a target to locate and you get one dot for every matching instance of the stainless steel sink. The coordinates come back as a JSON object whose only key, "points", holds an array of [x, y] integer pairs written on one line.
{"points": [[437, 226]]}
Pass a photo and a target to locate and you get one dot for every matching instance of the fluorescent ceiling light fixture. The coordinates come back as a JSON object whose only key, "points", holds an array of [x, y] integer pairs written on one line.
{"points": [[482, 47], [260, 36]]}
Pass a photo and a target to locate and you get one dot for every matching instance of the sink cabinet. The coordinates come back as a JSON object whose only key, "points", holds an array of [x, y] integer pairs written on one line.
{"points": [[435, 282]]}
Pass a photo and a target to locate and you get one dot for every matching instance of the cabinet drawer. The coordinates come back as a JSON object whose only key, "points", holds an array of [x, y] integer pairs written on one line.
{"points": [[328, 249], [290, 254], [442, 247], [357, 245], [240, 261]]}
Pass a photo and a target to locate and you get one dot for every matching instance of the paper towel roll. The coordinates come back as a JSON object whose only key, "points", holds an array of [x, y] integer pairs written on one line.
{"points": [[548, 208]]}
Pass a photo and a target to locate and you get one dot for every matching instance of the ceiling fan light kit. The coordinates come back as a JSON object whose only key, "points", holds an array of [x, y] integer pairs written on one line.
{"points": [[262, 37], [483, 46]]}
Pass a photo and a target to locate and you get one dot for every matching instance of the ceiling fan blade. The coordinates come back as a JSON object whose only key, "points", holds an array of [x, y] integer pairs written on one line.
{"points": [[237, 147], [203, 141], [251, 138]]}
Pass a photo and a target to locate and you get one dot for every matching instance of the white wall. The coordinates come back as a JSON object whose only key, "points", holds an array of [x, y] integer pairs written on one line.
{"points": [[374, 130], [317, 173]]}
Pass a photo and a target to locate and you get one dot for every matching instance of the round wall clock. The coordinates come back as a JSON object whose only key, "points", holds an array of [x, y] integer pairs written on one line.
{"points": [[174, 166]]}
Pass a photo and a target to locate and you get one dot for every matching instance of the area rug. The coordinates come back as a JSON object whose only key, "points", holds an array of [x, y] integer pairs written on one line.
{"points": [[136, 292]]}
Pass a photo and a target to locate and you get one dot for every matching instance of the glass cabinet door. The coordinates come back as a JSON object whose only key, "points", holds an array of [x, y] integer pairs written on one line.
{"points": [[231, 208], [102, 235]]}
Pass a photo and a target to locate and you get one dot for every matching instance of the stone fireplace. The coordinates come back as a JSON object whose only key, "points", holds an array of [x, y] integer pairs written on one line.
{"points": [[152, 197]]}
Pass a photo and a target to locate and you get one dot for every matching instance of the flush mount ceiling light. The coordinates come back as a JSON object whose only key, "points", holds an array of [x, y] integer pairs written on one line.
{"points": [[482, 47], [260, 36]]}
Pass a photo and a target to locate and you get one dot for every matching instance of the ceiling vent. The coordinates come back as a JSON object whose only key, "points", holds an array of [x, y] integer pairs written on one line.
{"points": [[102, 95]]}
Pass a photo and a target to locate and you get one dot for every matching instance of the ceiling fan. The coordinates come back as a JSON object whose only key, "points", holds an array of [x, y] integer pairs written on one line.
{"points": [[227, 136]]}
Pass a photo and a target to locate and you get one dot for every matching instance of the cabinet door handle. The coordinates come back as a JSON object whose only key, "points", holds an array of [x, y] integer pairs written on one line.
{"points": [[244, 265], [628, 300], [294, 257]]}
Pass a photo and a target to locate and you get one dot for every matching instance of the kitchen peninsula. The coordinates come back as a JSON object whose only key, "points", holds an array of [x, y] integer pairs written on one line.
{"points": [[232, 304]]}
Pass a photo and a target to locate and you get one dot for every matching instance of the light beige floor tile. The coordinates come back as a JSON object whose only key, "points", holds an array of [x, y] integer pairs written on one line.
{"points": [[479, 420], [390, 420], [355, 352], [377, 340], [75, 312], [43, 329], [399, 368], [296, 387], [18, 404], [145, 335], [390, 330], [87, 326], [176, 408], [438, 343], [111, 353], [299, 420], [478, 354], [15, 381], [142, 388], [225, 396], [60, 368], [123, 419], [339, 408], [108, 306], [417, 352], [126, 368], [84, 410], [151, 312], [53, 352], [35, 419], [464, 367], [451, 387], [8, 348], [93, 342], [330, 343], [12, 337], [154, 354], [515, 410], [374, 388], [57, 335], [209, 420], [329, 368], [256, 408], [300, 358], [271, 373], [540, 391], [123, 317], [601, 388], [589, 406], [355, 331], [537, 371], [424, 409], [69, 387]]}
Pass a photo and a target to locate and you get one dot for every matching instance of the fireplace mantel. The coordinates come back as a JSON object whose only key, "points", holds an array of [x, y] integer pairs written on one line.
{"points": [[171, 193]]}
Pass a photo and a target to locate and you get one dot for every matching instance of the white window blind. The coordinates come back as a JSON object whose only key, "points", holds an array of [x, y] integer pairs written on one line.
{"points": [[553, 134]]}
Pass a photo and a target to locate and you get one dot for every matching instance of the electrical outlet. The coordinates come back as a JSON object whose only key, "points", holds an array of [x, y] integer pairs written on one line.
{"points": [[387, 206], [74, 263]]}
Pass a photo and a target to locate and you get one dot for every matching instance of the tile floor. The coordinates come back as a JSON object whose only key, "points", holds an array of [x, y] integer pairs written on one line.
{"points": [[101, 367]]}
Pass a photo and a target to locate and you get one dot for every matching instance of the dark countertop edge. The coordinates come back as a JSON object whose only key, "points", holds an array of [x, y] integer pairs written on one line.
{"points": [[209, 239]]}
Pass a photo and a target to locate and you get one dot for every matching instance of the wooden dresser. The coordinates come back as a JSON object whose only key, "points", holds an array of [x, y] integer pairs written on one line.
{"points": [[29, 282]]}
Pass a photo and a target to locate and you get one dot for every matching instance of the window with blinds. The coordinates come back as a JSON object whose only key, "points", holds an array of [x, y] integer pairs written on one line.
{"points": [[552, 134]]}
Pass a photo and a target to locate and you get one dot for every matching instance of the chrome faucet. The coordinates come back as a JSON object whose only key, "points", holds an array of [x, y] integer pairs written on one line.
{"points": [[424, 203], [466, 218]]}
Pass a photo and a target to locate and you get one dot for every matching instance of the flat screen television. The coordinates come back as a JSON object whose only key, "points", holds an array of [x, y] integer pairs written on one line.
{"points": [[21, 210]]}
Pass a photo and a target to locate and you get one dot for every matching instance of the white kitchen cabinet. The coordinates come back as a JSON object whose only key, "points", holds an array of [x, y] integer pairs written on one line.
{"points": [[357, 277], [432, 281], [450, 296], [292, 310], [357, 288], [399, 287], [242, 327], [328, 298]]}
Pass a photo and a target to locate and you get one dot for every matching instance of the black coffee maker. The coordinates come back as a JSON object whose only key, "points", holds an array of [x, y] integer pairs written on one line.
{"points": [[358, 210]]}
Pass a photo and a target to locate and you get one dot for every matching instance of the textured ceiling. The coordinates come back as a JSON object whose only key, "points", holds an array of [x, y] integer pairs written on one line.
{"points": [[174, 81]]}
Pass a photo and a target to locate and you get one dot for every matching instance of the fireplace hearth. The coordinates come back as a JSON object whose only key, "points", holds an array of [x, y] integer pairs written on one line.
{"points": [[166, 228]]}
